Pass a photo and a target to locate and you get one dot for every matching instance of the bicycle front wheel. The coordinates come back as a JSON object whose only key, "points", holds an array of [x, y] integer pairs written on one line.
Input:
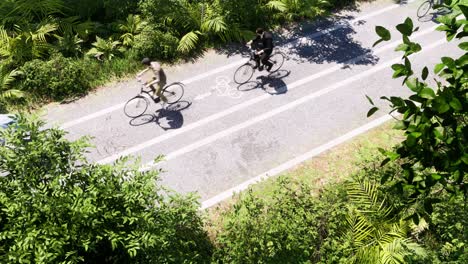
{"points": [[243, 73], [173, 92], [136, 106], [424, 8], [277, 59]]}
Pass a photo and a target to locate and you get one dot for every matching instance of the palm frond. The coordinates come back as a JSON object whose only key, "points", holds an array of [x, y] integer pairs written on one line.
{"points": [[188, 42], [11, 94], [278, 6], [214, 25]]}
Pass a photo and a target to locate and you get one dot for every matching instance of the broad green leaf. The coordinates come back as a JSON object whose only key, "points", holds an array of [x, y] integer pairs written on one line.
{"points": [[372, 111], [465, 158], [440, 105], [417, 179], [438, 68], [413, 84], [383, 33], [402, 47], [449, 62], [400, 125], [427, 93], [425, 73], [455, 104], [464, 9], [463, 46], [404, 29], [439, 132]]}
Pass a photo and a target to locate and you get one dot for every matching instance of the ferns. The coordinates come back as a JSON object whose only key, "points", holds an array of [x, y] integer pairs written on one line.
{"points": [[376, 236]]}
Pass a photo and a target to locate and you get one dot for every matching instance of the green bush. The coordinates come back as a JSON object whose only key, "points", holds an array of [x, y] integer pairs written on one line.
{"points": [[290, 226], [155, 44], [57, 208], [56, 79]]}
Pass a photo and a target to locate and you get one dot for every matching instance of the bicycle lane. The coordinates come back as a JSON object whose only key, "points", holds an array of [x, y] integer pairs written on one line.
{"points": [[122, 137], [233, 156], [108, 100]]}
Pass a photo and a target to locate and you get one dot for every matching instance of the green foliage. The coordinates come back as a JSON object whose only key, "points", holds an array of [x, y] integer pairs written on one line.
{"points": [[57, 208], [155, 44], [291, 226], [434, 153], [106, 49], [56, 79], [131, 27], [7, 78]]}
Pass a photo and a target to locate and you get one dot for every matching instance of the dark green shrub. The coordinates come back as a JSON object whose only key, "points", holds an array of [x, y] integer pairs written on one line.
{"points": [[57, 208], [155, 44], [290, 226], [56, 79]]}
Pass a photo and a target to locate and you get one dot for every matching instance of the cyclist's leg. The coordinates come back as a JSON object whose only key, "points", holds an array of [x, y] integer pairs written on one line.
{"points": [[265, 60], [257, 61], [159, 91]]}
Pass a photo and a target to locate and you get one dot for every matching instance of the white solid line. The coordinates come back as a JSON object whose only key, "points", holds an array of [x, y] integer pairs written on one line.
{"points": [[202, 96], [281, 109], [226, 67], [294, 162], [245, 104]]}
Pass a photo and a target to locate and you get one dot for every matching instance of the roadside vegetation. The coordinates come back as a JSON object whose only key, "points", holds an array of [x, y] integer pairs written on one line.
{"points": [[49, 48], [392, 197]]}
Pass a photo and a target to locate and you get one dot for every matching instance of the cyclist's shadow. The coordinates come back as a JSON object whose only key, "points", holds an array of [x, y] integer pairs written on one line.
{"points": [[169, 117], [272, 83]]}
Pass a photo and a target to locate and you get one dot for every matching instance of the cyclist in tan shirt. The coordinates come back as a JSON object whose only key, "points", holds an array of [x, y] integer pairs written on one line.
{"points": [[159, 78]]}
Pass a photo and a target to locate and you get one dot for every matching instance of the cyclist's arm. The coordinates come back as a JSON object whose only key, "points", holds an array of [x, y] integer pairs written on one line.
{"points": [[153, 82], [142, 72]]}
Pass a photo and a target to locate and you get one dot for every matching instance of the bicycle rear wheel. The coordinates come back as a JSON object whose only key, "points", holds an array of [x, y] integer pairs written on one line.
{"points": [[243, 73], [277, 59], [424, 8], [173, 92], [136, 106]]}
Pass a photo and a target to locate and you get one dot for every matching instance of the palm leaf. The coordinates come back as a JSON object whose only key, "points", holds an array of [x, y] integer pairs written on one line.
{"points": [[214, 25], [188, 42], [11, 94], [278, 5]]}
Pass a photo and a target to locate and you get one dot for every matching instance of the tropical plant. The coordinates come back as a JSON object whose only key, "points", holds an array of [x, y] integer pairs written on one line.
{"points": [[434, 153], [376, 233], [58, 208], [7, 77], [25, 43], [106, 49], [25, 12], [294, 9], [129, 28]]}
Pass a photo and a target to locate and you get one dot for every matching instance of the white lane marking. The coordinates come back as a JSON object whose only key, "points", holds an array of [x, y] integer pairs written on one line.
{"points": [[294, 162], [231, 65], [202, 96], [245, 104], [281, 109]]}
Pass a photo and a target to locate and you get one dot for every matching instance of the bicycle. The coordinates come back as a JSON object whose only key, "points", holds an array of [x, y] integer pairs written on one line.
{"points": [[137, 106], [424, 8], [245, 72]]}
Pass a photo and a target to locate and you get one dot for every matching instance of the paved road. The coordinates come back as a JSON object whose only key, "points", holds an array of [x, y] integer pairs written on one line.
{"points": [[223, 135]]}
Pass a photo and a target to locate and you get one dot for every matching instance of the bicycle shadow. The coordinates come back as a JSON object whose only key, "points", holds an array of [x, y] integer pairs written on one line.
{"points": [[272, 83], [433, 15], [167, 118]]}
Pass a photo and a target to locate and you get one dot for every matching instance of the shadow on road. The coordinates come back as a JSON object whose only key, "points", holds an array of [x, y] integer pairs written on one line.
{"points": [[337, 46], [167, 118], [271, 83]]}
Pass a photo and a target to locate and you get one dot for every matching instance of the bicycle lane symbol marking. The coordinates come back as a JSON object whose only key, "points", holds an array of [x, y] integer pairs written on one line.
{"points": [[222, 88]]}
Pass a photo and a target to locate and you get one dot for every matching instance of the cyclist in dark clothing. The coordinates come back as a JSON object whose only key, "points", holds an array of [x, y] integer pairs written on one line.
{"points": [[263, 44]]}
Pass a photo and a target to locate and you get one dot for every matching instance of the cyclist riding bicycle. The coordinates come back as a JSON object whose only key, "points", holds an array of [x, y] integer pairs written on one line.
{"points": [[263, 44], [158, 78]]}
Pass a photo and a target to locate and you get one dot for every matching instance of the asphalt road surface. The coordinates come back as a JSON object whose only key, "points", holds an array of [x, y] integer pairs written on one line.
{"points": [[223, 136]]}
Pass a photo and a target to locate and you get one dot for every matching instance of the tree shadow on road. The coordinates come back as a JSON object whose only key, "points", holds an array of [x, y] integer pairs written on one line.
{"points": [[328, 40], [167, 118]]}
